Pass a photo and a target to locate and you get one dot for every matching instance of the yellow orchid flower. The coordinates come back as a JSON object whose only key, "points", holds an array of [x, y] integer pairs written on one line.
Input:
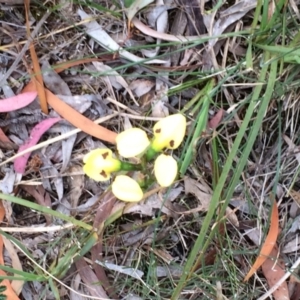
{"points": [[99, 163], [132, 142], [127, 189], [165, 170], [169, 132]]}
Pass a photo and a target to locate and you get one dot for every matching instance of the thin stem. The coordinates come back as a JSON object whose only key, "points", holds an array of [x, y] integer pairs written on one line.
{"points": [[126, 166]]}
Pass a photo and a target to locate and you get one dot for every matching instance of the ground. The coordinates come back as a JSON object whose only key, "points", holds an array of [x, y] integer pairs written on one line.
{"points": [[74, 74]]}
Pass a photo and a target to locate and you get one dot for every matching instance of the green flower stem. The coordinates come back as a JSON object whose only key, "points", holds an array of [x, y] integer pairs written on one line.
{"points": [[146, 182], [150, 154], [126, 166]]}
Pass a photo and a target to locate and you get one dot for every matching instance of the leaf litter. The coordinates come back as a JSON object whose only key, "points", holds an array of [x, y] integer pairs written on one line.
{"points": [[91, 74]]}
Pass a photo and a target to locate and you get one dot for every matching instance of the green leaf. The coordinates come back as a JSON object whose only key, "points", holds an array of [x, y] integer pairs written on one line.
{"points": [[201, 122]]}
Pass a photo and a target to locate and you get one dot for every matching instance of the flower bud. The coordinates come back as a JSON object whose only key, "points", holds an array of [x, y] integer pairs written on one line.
{"points": [[127, 189], [165, 170], [132, 142]]}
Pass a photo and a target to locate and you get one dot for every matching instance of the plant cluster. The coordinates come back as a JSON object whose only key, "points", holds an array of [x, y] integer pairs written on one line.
{"points": [[168, 133]]}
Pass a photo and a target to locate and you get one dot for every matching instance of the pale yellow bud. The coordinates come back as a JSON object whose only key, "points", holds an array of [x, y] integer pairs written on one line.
{"points": [[132, 142], [127, 189], [165, 170]]}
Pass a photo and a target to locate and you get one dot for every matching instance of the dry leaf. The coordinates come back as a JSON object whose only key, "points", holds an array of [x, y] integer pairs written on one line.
{"points": [[95, 31], [141, 86], [295, 295], [292, 246], [103, 212], [7, 183], [8, 211], [75, 286], [200, 190], [232, 217], [136, 5], [35, 135], [216, 119], [274, 269], [226, 18], [164, 255], [159, 109], [67, 148], [292, 147], [254, 234], [80, 103], [295, 196], [90, 279], [41, 196], [164, 36], [76, 184], [9, 292], [132, 272], [51, 172], [269, 242], [17, 285], [166, 271], [155, 201], [53, 81], [161, 24]]}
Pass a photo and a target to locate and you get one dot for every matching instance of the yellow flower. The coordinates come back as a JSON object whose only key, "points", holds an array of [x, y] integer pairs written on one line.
{"points": [[127, 189], [165, 170], [99, 163], [132, 142], [169, 132]]}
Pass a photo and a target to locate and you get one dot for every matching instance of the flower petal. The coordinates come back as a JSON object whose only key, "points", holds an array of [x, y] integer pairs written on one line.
{"points": [[96, 153], [132, 142], [169, 132], [99, 163], [165, 170], [94, 173], [127, 189]]}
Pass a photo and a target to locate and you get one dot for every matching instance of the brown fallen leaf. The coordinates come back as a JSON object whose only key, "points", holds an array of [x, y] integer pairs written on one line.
{"points": [[41, 196], [269, 242], [76, 184], [163, 254], [103, 212], [6, 143], [295, 196], [17, 285], [215, 121], [201, 190], [274, 269], [296, 294], [9, 292], [141, 86], [90, 279]]}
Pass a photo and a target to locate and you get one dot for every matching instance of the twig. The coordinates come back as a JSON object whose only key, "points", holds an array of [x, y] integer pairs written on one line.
{"points": [[31, 230]]}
